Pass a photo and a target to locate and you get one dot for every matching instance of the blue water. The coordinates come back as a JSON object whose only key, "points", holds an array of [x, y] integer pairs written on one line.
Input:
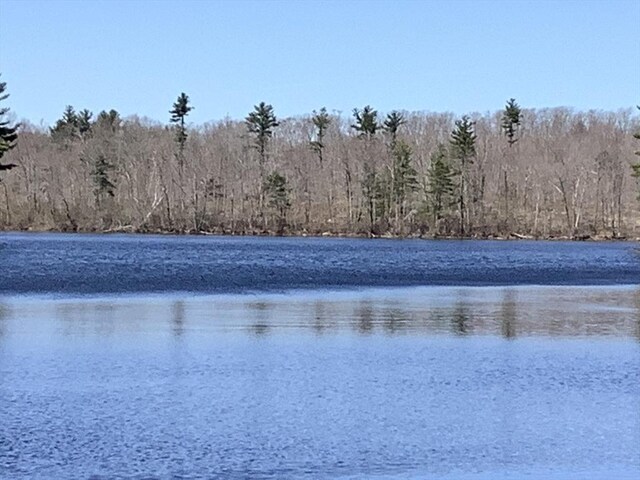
{"points": [[88, 264], [144, 357]]}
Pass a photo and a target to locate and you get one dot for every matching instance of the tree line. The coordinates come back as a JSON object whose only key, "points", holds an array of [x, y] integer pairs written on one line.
{"points": [[514, 172]]}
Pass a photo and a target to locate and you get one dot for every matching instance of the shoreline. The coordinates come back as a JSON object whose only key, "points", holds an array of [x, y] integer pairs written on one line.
{"points": [[513, 236]]}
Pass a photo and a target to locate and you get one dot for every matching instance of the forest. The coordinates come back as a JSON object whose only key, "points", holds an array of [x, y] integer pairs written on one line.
{"points": [[513, 173]]}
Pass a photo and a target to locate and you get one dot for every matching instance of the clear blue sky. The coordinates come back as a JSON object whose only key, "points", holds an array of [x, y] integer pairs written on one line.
{"points": [[461, 56]]}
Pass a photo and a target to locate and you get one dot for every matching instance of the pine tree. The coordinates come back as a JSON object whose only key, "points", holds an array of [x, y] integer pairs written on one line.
{"points": [[261, 123], [83, 121], [440, 185], [179, 112], [392, 124], [636, 167], [102, 182], [66, 130], [8, 133], [321, 122], [463, 149], [275, 186], [366, 122], [404, 177], [109, 120], [511, 121], [370, 189]]}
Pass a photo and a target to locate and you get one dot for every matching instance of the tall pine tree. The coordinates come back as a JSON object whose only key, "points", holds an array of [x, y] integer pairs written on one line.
{"points": [[440, 187], [321, 122], [510, 123], [8, 133], [463, 149], [179, 112], [366, 122], [366, 125], [636, 166], [404, 178], [261, 123], [392, 124]]}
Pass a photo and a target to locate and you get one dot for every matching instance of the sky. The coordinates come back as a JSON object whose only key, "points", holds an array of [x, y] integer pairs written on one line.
{"points": [[460, 56]]}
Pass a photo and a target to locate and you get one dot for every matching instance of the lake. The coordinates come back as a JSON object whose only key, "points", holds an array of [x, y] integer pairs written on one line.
{"points": [[143, 357]]}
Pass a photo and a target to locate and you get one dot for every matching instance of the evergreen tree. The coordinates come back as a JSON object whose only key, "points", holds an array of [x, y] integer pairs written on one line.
{"points": [[8, 133], [636, 175], [511, 121], [440, 185], [261, 123], [179, 112], [636, 167], [83, 121], [109, 120], [66, 129], [404, 176], [321, 121], [392, 124], [366, 122], [383, 193], [463, 149], [101, 180], [275, 186], [370, 189]]}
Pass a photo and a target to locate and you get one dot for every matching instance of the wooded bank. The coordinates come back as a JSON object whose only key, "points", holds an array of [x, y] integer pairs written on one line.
{"points": [[539, 173]]}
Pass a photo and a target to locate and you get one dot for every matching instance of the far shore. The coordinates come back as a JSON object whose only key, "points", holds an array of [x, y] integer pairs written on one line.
{"points": [[331, 234]]}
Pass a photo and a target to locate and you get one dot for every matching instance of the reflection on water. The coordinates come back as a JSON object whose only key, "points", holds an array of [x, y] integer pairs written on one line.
{"points": [[637, 308], [508, 312], [4, 313], [177, 320], [364, 315], [102, 318], [515, 382], [320, 320], [260, 313], [460, 318]]}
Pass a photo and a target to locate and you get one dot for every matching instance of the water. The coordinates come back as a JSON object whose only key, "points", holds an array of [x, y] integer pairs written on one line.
{"points": [[287, 377], [86, 264]]}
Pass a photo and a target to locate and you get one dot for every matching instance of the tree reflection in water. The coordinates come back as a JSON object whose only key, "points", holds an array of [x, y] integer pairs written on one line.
{"points": [[637, 305], [178, 318], [511, 312], [508, 313], [460, 318], [365, 317], [4, 314], [260, 312], [319, 317]]}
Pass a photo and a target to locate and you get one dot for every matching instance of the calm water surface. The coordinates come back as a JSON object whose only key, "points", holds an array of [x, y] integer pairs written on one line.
{"points": [[238, 358], [93, 264]]}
